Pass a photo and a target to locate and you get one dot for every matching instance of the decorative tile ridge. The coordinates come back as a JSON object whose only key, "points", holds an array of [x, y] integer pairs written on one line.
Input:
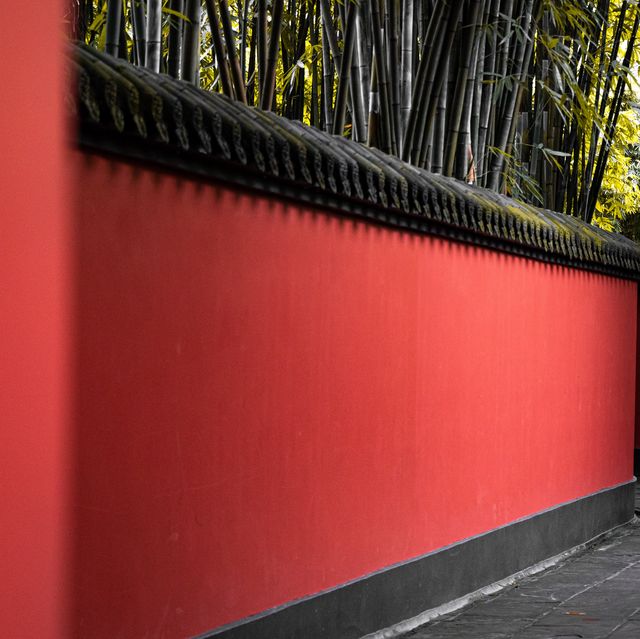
{"points": [[131, 111]]}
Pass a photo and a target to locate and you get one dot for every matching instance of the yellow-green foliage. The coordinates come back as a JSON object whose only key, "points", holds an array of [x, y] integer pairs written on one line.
{"points": [[619, 197], [620, 194]]}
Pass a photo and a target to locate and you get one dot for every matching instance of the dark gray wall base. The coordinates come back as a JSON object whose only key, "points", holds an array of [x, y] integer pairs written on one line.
{"points": [[404, 591]]}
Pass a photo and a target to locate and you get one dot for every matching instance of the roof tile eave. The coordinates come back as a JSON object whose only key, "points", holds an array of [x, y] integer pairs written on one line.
{"points": [[124, 107]]}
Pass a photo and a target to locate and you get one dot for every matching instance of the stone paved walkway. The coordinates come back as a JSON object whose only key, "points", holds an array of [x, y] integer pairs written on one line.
{"points": [[592, 596]]}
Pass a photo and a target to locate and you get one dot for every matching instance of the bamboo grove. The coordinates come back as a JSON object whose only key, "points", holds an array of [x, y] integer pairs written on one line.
{"points": [[519, 96]]}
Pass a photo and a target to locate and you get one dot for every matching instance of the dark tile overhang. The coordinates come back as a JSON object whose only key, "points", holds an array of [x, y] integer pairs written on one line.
{"points": [[132, 112]]}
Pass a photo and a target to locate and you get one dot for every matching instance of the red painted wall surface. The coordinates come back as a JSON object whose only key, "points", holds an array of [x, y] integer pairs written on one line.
{"points": [[637, 437], [273, 401], [34, 312]]}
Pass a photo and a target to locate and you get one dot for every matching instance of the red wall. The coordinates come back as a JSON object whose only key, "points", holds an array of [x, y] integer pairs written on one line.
{"points": [[273, 401], [637, 437], [34, 314]]}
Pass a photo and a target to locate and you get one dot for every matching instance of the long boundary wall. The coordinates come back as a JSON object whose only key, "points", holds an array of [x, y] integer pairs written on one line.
{"points": [[275, 402]]}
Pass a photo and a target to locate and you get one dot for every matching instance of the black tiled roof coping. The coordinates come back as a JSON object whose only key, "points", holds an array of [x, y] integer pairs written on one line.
{"points": [[132, 112]]}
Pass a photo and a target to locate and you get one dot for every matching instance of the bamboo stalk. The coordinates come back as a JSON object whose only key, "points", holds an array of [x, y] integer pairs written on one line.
{"points": [[387, 130], [268, 89], [244, 38], [218, 47], [303, 20], [614, 113], [139, 27], [597, 98], [81, 22], [366, 45], [285, 61], [521, 63], [393, 9], [440, 129], [88, 15], [431, 50], [232, 54], [490, 62], [314, 112], [478, 75], [571, 142], [123, 49], [330, 33], [437, 80], [359, 104], [406, 65], [345, 70], [191, 51], [601, 98], [262, 43], [373, 128], [251, 71], [114, 21], [462, 97], [464, 167], [176, 40], [154, 35], [504, 50], [608, 76], [364, 52], [327, 83]]}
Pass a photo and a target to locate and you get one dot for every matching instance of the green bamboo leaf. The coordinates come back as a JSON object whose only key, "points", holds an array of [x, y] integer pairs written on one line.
{"points": [[175, 13]]}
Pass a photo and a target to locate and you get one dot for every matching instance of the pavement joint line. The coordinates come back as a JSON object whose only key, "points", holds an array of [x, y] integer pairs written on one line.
{"points": [[624, 621]]}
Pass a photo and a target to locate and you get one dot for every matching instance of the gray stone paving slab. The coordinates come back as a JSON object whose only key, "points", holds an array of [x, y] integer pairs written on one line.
{"points": [[594, 595], [510, 606]]}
